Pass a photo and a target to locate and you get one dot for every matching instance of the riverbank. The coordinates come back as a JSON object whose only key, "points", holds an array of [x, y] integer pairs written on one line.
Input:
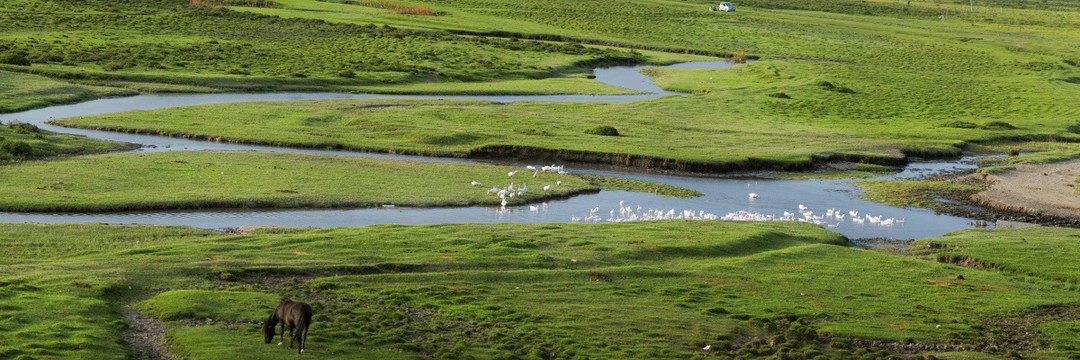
{"points": [[1038, 193]]}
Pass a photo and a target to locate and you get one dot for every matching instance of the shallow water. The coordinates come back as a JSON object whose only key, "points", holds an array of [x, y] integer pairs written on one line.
{"points": [[721, 195]]}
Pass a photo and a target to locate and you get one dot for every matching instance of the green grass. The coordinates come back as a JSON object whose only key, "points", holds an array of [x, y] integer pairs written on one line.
{"points": [[913, 193], [250, 179], [159, 46], [632, 290], [21, 92], [1042, 252], [22, 141], [614, 183]]}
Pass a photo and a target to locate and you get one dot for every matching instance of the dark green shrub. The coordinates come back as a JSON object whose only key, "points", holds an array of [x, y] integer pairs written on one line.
{"points": [[603, 130], [1014, 152], [23, 128], [717, 311], [16, 148], [840, 343], [825, 85], [14, 58], [348, 74], [1074, 128], [780, 95], [998, 125], [960, 125]]}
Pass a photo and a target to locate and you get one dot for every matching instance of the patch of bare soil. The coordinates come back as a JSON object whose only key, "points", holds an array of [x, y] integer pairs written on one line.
{"points": [[145, 335], [1036, 193]]}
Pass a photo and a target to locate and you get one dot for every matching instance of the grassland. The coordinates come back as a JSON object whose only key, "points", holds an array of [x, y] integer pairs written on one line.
{"points": [[163, 46], [915, 193], [899, 86], [195, 180], [21, 141], [634, 290]]}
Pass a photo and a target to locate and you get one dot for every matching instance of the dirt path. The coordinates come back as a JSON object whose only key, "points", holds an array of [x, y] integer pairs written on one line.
{"points": [[1039, 190], [145, 335]]}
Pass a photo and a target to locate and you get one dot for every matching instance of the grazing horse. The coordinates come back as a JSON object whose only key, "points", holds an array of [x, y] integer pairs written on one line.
{"points": [[293, 315]]}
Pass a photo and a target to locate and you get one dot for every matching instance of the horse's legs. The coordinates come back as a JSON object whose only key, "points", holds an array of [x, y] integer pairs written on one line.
{"points": [[303, 341], [292, 338], [282, 334]]}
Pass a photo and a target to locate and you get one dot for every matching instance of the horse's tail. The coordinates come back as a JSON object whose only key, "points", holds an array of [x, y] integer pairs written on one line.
{"points": [[302, 325]]}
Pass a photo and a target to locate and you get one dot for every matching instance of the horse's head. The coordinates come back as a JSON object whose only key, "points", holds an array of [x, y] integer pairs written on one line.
{"points": [[268, 333]]}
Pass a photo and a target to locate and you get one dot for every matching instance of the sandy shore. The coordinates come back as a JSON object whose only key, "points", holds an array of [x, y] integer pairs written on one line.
{"points": [[1038, 190]]}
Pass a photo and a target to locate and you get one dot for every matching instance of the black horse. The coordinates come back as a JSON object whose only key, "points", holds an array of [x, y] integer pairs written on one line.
{"points": [[293, 315]]}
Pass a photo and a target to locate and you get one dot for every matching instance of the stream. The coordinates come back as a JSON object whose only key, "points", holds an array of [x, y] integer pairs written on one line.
{"points": [[722, 195]]}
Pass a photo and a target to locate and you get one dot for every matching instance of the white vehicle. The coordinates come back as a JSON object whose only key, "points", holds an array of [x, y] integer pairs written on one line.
{"points": [[726, 6]]}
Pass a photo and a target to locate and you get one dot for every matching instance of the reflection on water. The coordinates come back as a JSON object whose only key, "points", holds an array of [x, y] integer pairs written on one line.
{"points": [[721, 195]]}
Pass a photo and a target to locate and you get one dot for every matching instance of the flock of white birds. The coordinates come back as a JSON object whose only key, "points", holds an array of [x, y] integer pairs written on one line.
{"points": [[509, 192], [831, 218]]}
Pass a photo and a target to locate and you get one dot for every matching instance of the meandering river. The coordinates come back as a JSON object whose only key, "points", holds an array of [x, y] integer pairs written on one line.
{"points": [[722, 195]]}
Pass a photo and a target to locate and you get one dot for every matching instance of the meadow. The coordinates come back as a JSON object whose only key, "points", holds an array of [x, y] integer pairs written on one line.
{"points": [[632, 290], [837, 80], [217, 179], [872, 88]]}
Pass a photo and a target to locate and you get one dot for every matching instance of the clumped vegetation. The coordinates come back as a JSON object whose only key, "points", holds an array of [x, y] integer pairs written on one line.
{"points": [[22, 141], [915, 193], [603, 130]]}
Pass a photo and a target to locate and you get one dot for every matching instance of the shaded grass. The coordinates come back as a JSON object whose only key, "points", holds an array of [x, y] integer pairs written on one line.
{"points": [[250, 179], [614, 183], [21, 92]]}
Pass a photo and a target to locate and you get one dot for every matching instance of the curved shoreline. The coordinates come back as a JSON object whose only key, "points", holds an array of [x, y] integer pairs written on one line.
{"points": [[1045, 193]]}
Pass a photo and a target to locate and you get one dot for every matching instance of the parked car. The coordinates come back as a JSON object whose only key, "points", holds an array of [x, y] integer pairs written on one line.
{"points": [[726, 6]]}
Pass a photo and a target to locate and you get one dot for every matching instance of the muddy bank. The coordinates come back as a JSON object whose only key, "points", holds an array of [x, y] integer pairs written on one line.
{"points": [[1043, 194], [145, 334]]}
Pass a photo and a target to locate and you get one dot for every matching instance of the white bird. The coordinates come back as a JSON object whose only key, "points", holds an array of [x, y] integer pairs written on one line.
{"points": [[547, 187], [530, 167], [707, 347], [558, 183], [512, 173], [536, 173], [802, 207], [475, 183], [503, 202], [753, 195], [493, 189], [534, 208]]}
